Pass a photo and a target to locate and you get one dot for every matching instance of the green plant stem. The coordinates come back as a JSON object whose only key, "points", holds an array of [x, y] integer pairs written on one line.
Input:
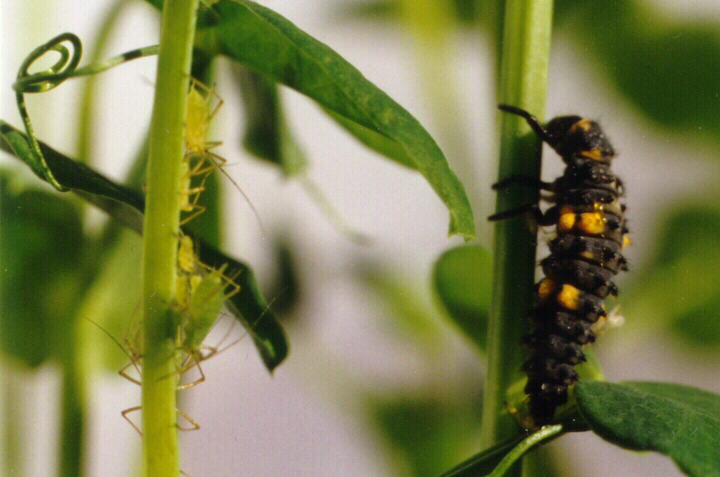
{"points": [[160, 237], [525, 445], [523, 82]]}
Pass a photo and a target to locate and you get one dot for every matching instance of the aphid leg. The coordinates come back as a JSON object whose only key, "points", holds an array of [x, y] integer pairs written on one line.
{"points": [[531, 120], [125, 416], [531, 209], [194, 362], [198, 210], [123, 372], [194, 425], [215, 161], [521, 179], [210, 91]]}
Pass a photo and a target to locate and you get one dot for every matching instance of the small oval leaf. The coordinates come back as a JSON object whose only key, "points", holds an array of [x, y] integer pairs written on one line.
{"points": [[679, 421], [462, 278]]}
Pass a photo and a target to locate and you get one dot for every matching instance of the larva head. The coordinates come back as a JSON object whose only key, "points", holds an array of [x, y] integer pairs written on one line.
{"points": [[574, 137]]}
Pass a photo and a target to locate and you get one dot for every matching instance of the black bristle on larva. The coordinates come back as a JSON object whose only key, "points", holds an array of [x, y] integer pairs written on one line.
{"points": [[585, 255]]}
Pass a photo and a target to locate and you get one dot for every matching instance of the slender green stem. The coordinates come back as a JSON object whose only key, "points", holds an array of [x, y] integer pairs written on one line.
{"points": [[523, 80], [525, 445], [160, 237]]}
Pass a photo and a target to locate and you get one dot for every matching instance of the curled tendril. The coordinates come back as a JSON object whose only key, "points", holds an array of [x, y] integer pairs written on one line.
{"points": [[69, 47], [44, 81]]}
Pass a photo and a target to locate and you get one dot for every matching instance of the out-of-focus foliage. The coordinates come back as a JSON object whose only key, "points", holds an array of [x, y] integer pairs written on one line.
{"points": [[112, 301], [40, 249], [666, 67], [426, 435], [126, 205], [409, 310], [467, 12], [678, 421], [286, 289], [678, 287], [433, 426], [267, 134], [462, 279]]}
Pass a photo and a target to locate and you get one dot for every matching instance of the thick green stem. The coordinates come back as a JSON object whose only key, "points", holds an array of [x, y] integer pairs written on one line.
{"points": [[523, 83], [161, 229]]}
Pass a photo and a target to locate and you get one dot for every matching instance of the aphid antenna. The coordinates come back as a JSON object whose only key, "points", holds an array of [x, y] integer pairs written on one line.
{"points": [[239, 189], [133, 359]]}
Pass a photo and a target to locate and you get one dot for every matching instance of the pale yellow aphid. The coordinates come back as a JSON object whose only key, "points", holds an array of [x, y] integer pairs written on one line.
{"points": [[200, 111], [200, 293], [198, 161], [203, 103]]}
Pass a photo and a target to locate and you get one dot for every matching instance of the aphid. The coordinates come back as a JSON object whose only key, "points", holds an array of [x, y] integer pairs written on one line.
{"points": [[201, 292], [203, 103], [585, 255]]}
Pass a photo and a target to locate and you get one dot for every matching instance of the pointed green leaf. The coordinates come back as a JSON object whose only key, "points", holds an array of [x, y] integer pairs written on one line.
{"points": [[463, 280], [679, 421], [268, 43], [127, 206]]}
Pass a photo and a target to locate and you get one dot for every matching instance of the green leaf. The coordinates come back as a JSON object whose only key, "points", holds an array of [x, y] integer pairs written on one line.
{"points": [[127, 205], [374, 140], [267, 134], [666, 66], [679, 421], [40, 247], [462, 278], [268, 43]]}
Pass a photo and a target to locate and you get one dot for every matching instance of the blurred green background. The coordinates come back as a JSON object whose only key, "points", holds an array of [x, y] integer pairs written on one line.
{"points": [[379, 381]]}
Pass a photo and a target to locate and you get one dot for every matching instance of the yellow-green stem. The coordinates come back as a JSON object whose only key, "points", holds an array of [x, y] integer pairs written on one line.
{"points": [[523, 83], [160, 236]]}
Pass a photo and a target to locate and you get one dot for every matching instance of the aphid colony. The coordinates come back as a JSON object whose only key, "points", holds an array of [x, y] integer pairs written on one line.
{"points": [[584, 256], [200, 290]]}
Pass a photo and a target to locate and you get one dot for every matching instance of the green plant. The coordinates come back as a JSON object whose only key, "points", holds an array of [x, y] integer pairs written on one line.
{"points": [[486, 294]]}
